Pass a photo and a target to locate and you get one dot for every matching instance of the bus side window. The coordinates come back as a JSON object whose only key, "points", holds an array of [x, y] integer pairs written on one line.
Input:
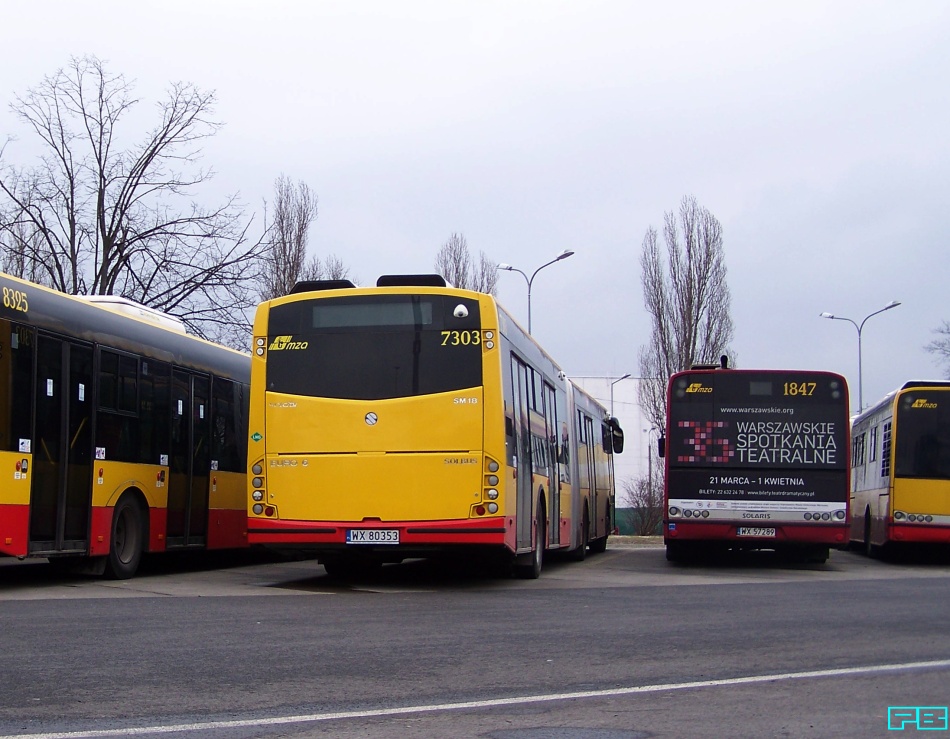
{"points": [[509, 426]]}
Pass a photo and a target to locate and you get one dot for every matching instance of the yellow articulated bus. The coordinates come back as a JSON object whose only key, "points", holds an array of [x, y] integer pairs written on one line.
{"points": [[900, 471], [416, 420], [119, 433]]}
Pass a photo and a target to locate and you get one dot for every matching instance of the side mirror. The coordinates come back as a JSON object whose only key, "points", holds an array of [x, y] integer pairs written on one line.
{"points": [[613, 436], [661, 447], [618, 439]]}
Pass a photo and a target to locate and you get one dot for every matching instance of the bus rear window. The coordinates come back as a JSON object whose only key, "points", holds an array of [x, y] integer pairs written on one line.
{"points": [[374, 347], [923, 437]]}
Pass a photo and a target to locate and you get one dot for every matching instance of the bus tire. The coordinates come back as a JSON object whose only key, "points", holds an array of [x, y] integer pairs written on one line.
{"points": [[869, 549], [675, 552], [127, 539], [580, 553], [599, 546], [533, 571]]}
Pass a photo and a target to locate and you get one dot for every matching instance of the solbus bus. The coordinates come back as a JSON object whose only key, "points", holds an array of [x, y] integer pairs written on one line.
{"points": [[900, 468], [119, 433], [756, 459], [414, 420]]}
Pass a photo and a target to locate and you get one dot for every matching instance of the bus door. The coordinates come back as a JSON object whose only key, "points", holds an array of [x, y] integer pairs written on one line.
{"points": [[554, 474], [189, 464], [585, 468], [522, 435], [596, 496], [62, 449]]}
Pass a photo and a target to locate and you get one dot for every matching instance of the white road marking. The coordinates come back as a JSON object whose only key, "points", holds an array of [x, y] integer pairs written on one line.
{"points": [[470, 705]]}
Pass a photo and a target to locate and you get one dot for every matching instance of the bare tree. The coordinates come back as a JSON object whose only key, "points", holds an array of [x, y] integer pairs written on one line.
{"points": [[643, 498], [288, 235], [941, 347], [485, 279], [330, 268], [686, 294], [454, 263], [295, 209], [97, 216]]}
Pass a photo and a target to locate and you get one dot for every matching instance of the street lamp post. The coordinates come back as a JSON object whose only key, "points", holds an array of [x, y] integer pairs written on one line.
{"points": [[530, 280], [612, 392], [860, 327]]}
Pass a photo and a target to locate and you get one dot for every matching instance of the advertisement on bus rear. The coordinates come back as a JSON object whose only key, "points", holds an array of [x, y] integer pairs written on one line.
{"points": [[769, 441]]}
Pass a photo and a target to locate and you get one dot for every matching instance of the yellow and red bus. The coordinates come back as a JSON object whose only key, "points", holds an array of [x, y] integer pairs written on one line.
{"points": [[413, 419], [119, 433], [900, 468], [756, 459]]}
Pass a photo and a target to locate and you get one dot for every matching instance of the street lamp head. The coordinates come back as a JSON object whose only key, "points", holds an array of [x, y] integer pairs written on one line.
{"points": [[892, 304], [822, 315], [625, 377], [504, 266], [564, 255]]}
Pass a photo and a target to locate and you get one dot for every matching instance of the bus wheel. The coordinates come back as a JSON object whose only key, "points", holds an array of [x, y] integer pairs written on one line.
{"points": [[580, 553], [869, 549], [533, 571], [599, 546], [128, 538], [676, 551]]}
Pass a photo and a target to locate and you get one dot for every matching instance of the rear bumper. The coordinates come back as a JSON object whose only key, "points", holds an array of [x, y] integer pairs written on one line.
{"points": [[413, 535], [785, 534], [911, 534]]}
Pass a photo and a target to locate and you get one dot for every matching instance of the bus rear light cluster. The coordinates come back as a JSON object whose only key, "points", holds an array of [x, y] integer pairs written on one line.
{"points": [[688, 513], [489, 342], [265, 510], [259, 344], [823, 516], [481, 510], [913, 517], [257, 482], [489, 490]]}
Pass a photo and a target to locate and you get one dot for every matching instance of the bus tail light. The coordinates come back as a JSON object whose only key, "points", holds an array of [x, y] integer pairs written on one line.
{"points": [[257, 482], [490, 492], [260, 344]]}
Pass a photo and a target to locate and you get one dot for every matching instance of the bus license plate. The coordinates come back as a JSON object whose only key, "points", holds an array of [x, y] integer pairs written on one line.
{"points": [[747, 531], [372, 536]]}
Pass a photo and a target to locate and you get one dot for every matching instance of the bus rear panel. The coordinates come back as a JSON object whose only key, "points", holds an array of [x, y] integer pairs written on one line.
{"points": [[756, 459], [373, 431]]}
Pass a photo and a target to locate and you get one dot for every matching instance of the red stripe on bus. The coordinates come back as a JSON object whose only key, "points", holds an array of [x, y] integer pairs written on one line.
{"points": [[920, 534], [227, 528], [14, 529]]}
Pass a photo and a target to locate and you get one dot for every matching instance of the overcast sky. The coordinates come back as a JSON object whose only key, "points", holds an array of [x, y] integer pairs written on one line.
{"points": [[816, 132]]}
